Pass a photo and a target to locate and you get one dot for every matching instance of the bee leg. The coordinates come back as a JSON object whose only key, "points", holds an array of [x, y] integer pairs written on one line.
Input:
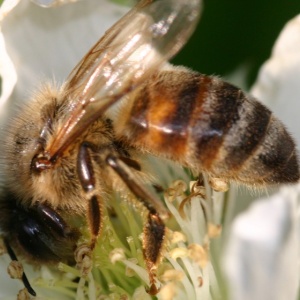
{"points": [[152, 203], [154, 233], [24, 279], [85, 168], [94, 219], [131, 163], [154, 229], [87, 179]]}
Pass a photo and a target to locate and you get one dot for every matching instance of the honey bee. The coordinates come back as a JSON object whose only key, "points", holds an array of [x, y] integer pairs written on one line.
{"points": [[72, 146]]}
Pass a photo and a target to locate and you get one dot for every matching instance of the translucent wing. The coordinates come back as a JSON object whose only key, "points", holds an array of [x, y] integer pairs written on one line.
{"points": [[130, 51]]}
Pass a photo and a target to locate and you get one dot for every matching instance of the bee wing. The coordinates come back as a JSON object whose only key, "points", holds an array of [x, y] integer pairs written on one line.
{"points": [[80, 73], [137, 45]]}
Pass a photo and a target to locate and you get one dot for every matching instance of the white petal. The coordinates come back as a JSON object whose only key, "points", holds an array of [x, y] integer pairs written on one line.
{"points": [[7, 73], [46, 43], [52, 3], [6, 7], [262, 256], [278, 83]]}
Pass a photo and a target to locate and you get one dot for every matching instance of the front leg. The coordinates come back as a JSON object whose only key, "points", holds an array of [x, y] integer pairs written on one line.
{"points": [[88, 182]]}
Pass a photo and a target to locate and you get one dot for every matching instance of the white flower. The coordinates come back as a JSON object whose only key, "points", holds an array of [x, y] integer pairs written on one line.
{"points": [[263, 254], [263, 245], [278, 81]]}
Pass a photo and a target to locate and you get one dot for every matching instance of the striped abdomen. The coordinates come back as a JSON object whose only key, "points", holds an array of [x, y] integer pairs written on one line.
{"points": [[209, 125]]}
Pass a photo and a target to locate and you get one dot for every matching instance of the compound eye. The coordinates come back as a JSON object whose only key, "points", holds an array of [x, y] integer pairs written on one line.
{"points": [[45, 235], [33, 239]]}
